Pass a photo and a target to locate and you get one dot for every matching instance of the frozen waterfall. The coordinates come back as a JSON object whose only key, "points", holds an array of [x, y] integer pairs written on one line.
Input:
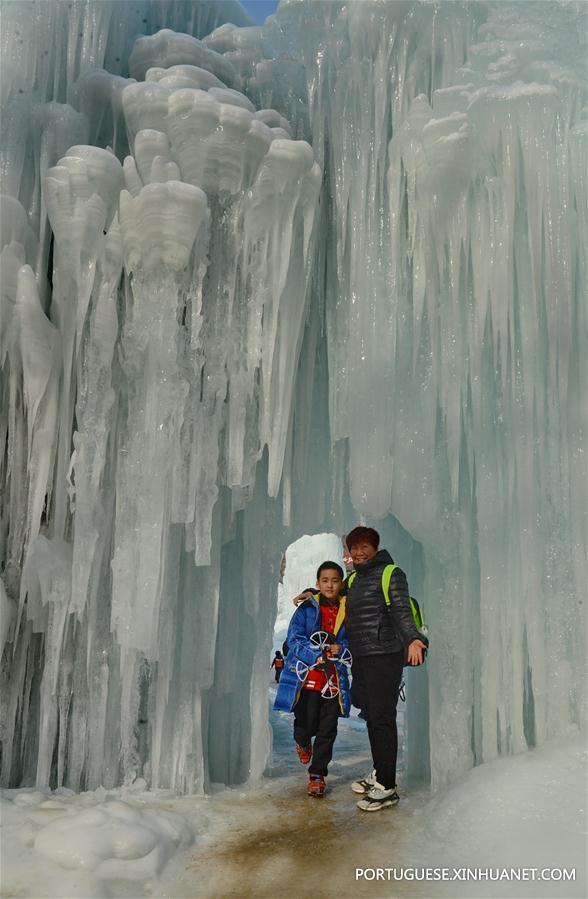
{"points": [[260, 282]]}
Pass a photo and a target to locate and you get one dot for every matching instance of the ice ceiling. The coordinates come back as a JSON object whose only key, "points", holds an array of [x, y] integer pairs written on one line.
{"points": [[258, 282]]}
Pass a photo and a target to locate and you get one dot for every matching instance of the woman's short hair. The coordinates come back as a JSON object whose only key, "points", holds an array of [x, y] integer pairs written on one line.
{"points": [[362, 535]]}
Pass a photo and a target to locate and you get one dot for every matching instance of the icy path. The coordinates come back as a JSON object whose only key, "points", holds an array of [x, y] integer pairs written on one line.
{"points": [[279, 838], [525, 811]]}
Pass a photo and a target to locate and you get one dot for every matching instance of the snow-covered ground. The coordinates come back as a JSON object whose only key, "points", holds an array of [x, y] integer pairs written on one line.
{"points": [[522, 812], [526, 811]]}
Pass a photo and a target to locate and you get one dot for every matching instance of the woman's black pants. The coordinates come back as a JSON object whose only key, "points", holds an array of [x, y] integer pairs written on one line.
{"points": [[376, 681]]}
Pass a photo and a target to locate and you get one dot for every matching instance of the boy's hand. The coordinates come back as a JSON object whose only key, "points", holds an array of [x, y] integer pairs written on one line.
{"points": [[415, 652], [301, 597]]}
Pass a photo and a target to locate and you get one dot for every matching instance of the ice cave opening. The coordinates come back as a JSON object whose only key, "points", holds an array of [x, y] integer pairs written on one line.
{"points": [[261, 281]]}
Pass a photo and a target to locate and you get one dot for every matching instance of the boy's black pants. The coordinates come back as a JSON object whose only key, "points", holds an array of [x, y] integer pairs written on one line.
{"points": [[376, 681], [316, 717]]}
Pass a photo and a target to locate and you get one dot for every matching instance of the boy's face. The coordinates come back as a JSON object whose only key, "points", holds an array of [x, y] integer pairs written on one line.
{"points": [[362, 552], [330, 583]]}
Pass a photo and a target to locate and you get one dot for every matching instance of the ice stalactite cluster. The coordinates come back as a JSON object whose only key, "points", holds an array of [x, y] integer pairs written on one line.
{"points": [[161, 364], [201, 361]]}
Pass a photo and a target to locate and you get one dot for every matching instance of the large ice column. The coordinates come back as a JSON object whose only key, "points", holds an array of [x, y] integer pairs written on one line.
{"points": [[255, 177], [164, 231], [81, 194], [141, 408], [31, 353], [453, 137]]}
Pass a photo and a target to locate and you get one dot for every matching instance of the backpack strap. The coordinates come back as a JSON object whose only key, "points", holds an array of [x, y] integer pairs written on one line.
{"points": [[387, 573], [386, 578], [417, 615]]}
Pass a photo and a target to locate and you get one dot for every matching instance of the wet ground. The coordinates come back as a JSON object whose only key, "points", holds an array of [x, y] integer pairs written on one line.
{"points": [[283, 841]]}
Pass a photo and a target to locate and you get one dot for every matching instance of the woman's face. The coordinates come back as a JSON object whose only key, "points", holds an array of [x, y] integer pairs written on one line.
{"points": [[362, 552]]}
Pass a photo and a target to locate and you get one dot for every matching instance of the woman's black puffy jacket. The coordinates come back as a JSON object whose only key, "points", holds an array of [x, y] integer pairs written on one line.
{"points": [[372, 628]]}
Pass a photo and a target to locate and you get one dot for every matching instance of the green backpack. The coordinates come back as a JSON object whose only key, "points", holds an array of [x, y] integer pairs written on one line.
{"points": [[417, 615]]}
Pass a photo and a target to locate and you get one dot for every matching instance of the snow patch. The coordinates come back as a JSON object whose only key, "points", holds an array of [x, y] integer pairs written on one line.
{"points": [[77, 843]]}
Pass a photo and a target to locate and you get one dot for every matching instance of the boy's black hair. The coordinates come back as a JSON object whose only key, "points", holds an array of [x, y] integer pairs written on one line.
{"points": [[329, 565]]}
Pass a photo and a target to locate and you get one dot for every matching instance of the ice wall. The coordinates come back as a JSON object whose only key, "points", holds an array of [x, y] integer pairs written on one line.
{"points": [[201, 362], [453, 138]]}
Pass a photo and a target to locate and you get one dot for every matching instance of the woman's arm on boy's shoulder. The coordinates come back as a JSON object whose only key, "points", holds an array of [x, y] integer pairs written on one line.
{"points": [[299, 638], [306, 594]]}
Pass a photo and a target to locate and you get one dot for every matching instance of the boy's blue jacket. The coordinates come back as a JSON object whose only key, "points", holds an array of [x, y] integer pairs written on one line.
{"points": [[305, 621]]}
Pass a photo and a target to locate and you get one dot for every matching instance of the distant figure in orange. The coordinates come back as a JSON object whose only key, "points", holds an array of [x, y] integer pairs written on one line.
{"points": [[278, 665]]}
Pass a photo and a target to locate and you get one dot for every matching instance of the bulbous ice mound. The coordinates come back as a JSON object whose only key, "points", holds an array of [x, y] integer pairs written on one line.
{"points": [[152, 159], [160, 225], [231, 97], [82, 193], [183, 76], [273, 120], [228, 37], [291, 158], [168, 48], [216, 144], [145, 105], [215, 135]]}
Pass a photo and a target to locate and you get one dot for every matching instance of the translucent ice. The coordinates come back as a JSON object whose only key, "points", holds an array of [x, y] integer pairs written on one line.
{"points": [[328, 269]]}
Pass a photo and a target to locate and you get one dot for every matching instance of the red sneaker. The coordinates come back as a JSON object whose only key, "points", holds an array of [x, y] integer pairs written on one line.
{"points": [[304, 753], [316, 785]]}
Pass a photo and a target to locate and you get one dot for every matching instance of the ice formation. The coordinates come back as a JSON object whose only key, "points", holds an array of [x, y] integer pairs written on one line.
{"points": [[203, 359], [79, 844]]}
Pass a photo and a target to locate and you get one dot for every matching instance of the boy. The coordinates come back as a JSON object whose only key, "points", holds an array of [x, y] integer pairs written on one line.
{"points": [[314, 685]]}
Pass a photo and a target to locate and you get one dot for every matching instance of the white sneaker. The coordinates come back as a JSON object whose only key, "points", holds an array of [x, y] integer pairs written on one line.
{"points": [[364, 786], [378, 798]]}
